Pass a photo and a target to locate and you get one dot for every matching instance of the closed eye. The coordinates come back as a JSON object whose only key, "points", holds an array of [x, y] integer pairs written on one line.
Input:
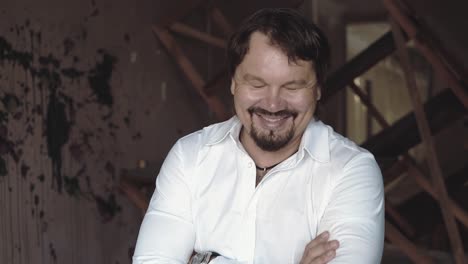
{"points": [[257, 84]]}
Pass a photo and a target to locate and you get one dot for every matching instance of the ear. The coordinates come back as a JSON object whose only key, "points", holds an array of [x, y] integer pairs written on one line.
{"points": [[233, 86], [319, 93]]}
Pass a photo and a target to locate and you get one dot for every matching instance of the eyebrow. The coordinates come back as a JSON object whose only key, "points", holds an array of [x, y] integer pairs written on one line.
{"points": [[250, 77]]}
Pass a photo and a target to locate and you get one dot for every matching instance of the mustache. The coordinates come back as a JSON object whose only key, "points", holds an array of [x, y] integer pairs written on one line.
{"points": [[281, 113]]}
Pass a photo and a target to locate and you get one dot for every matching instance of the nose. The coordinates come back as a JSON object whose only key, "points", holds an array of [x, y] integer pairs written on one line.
{"points": [[273, 100]]}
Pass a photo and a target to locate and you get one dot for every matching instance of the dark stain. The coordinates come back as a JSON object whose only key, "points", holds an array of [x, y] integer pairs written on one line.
{"points": [[27, 23], [127, 38], [52, 253], [100, 76], [6, 146], [72, 186], [112, 126], [11, 102], [76, 59], [41, 214], [127, 121], [110, 169], [41, 178], [137, 136], [32, 187], [94, 13], [107, 208], [3, 117], [36, 200], [24, 170], [9, 54], [68, 45], [76, 152], [58, 130], [72, 73], [3, 168], [30, 129], [81, 171], [49, 60]]}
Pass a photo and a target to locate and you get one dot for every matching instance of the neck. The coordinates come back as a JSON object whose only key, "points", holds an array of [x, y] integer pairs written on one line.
{"points": [[266, 159]]}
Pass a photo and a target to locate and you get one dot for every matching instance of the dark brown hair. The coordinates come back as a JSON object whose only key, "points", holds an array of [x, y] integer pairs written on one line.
{"points": [[289, 31]]}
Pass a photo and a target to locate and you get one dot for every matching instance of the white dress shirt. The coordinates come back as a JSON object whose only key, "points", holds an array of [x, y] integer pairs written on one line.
{"points": [[206, 200]]}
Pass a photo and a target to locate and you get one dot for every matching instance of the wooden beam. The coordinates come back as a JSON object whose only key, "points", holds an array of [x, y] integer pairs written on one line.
{"points": [[214, 103], [176, 10], [407, 163], [199, 35], [222, 22], [357, 66], [217, 82], [424, 46], [370, 106], [398, 218], [442, 110], [424, 130], [134, 195], [415, 253]]}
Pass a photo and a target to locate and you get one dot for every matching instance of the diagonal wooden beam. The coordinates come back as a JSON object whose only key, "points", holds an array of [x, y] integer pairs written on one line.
{"points": [[213, 102], [442, 110], [357, 66], [407, 163], [221, 21], [134, 195], [425, 47], [176, 10], [199, 35], [415, 253], [424, 130], [391, 211]]}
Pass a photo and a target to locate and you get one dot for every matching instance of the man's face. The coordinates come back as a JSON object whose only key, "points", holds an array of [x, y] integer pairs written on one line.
{"points": [[274, 98]]}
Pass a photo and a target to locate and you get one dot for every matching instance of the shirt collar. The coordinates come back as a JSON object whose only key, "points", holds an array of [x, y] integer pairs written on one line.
{"points": [[315, 140], [216, 134]]}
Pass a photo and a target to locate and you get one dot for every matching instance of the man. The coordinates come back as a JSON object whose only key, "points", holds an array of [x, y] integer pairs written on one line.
{"points": [[272, 184]]}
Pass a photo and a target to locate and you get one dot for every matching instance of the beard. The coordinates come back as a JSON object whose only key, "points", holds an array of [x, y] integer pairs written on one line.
{"points": [[271, 140]]}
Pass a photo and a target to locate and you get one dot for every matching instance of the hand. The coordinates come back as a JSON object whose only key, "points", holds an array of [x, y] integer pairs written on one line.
{"points": [[320, 250]]}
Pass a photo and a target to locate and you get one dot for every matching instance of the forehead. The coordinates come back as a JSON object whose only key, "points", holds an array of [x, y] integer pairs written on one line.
{"points": [[266, 60]]}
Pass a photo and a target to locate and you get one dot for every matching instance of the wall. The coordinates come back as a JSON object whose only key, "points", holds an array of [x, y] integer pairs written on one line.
{"points": [[86, 90]]}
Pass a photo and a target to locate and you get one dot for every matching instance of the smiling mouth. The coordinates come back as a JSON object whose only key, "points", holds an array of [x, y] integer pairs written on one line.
{"points": [[272, 122]]}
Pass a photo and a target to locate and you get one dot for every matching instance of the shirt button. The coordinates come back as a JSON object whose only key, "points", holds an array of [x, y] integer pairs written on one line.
{"points": [[249, 165]]}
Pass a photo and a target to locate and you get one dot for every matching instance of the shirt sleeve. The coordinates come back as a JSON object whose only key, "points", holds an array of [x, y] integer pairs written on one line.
{"points": [[167, 234], [355, 213]]}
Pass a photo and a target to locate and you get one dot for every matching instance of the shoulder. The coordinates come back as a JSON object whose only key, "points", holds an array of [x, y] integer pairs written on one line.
{"points": [[345, 152]]}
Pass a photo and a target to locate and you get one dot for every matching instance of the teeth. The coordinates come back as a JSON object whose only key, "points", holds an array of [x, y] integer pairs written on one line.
{"points": [[272, 119]]}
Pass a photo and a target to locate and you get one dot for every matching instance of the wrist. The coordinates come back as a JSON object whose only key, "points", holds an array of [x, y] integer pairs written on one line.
{"points": [[203, 257]]}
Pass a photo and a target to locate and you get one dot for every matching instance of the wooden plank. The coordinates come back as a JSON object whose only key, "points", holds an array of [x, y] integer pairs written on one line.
{"points": [[415, 253], [221, 22], [424, 46], [357, 66], [199, 35], [214, 103], [424, 130], [370, 106], [407, 163], [134, 195], [391, 211], [176, 10], [442, 110]]}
